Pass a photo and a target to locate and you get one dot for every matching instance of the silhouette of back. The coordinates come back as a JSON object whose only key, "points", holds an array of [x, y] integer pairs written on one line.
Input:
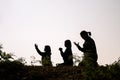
{"points": [[46, 56], [67, 54]]}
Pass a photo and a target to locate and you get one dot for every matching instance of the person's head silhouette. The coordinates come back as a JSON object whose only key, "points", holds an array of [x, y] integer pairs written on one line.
{"points": [[68, 44], [47, 48], [85, 35]]}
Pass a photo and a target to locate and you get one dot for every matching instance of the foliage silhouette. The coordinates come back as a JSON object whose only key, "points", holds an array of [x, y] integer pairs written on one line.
{"points": [[10, 69], [15, 70], [34, 61], [5, 56]]}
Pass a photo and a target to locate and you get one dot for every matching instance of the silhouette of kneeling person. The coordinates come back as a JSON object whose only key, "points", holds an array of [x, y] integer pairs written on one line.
{"points": [[89, 49], [46, 56], [67, 54]]}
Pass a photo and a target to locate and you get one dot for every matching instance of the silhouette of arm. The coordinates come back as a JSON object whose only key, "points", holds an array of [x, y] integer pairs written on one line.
{"points": [[61, 51], [39, 52], [78, 46]]}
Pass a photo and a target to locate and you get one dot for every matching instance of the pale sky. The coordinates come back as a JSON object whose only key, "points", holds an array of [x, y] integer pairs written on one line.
{"points": [[51, 22]]}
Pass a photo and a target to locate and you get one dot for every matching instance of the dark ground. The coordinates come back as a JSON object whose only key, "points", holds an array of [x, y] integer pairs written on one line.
{"points": [[18, 71]]}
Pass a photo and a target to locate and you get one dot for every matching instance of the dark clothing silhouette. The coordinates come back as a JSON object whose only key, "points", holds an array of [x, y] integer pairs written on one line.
{"points": [[67, 57], [89, 49], [46, 56], [67, 54]]}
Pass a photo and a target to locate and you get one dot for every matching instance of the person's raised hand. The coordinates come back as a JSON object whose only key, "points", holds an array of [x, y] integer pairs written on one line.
{"points": [[60, 49], [36, 46]]}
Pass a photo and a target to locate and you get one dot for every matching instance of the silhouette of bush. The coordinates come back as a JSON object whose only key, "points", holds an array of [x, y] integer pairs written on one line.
{"points": [[11, 69], [5, 56], [107, 72]]}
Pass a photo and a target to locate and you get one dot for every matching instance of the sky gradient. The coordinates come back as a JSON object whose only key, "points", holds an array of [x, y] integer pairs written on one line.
{"points": [[50, 22]]}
